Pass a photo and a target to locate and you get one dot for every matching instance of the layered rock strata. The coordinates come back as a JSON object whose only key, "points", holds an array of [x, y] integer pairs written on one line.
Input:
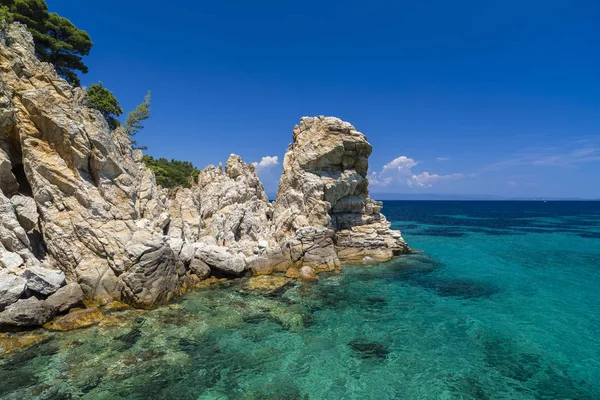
{"points": [[82, 218]]}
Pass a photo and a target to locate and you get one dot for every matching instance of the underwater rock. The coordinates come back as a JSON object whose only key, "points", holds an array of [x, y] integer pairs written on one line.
{"points": [[10, 343], [292, 273], [76, 319], [267, 283], [459, 288], [307, 274], [115, 306], [368, 349]]}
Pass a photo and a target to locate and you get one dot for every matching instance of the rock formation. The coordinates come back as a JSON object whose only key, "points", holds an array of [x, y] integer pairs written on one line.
{"points": [[81, 216], [323, 215]]}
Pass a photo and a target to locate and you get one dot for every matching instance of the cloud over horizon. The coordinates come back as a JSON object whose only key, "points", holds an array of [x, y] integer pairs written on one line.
{"points": [[399, 173]]}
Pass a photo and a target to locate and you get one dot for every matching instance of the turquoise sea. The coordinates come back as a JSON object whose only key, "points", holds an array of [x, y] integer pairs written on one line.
{"points": [[501, 301]]}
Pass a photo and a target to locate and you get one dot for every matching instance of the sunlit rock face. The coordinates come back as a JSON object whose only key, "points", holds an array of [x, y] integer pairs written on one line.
{"points": [[323, 213], [78, 206], [71, 190]]}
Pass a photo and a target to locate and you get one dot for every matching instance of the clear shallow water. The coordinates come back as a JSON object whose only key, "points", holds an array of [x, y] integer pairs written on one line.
{"points": [[501, 302]]}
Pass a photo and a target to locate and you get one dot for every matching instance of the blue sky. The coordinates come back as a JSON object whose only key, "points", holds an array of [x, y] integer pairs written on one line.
{"points": [[463, 97]]}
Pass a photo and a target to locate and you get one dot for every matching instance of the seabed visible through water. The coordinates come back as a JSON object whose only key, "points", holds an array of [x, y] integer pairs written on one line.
{"points": [[502, 302]]}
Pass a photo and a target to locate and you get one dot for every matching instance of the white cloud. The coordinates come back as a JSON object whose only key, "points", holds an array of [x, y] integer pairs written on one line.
{"points": [[442, 159], [401, 163], [266, 162], [426, 180], [398, 172]]}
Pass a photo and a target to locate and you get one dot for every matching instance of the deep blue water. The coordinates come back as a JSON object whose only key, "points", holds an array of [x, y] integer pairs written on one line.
{"points": [[501, 300]]}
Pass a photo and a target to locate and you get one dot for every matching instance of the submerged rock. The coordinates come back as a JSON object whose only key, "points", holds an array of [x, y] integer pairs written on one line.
{"points": [[267, 283], [10, 343], [367, 349], [76, 319], [307, 274]]}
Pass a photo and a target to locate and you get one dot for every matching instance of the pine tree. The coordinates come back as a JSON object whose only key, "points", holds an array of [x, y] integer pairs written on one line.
{"points": [[133, 124], [105, 101]]}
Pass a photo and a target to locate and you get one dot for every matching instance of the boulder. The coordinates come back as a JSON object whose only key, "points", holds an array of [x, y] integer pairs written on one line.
{"points": [[308, 274], [11, 288], [43, 280], [66, 297], [218, 258], [10, 260], [8, 181], [199, 268], [26, 211], [27, 312]]}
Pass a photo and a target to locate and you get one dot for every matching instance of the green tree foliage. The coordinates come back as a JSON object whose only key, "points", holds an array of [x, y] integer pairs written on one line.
{"points": [[105, 101], [170, 174], [133, 124], [5, 15], [57, 40]]}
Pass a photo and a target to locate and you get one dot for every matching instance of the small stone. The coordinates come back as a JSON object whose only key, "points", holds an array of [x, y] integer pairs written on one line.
{"points": [[76, 320], [307, 274]]}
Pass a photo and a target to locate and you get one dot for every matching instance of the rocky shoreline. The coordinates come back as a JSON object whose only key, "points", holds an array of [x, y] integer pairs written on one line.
{"points": [[84, 222]]}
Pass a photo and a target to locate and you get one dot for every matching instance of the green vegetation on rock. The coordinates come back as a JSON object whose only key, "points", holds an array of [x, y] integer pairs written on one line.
{"points": [[105, 101], [133, 124], [170, 174], [57, 40]]}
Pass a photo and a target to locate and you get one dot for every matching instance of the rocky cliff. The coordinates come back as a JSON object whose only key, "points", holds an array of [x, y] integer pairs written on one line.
{"points": [[82, 219]]}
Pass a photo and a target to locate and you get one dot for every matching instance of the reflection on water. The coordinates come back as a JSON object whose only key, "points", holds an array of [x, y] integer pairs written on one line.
{"points": [[476, 316]]}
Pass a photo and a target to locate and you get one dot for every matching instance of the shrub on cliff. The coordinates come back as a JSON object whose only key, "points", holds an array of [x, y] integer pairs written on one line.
{"points": [[57, 40], [133, 124], [170, 174], [105, 101]]}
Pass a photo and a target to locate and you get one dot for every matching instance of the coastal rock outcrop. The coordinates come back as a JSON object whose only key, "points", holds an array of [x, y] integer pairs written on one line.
{"points": [[83, 219], [323, 215], [70, 190]]}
